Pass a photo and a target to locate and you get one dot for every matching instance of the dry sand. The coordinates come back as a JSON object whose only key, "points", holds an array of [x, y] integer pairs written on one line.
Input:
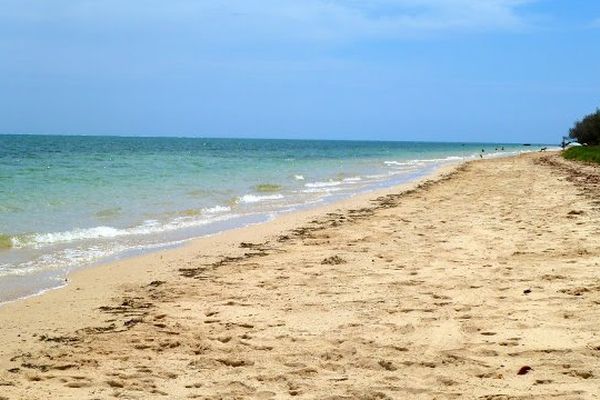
{"points": [[481, 284]]}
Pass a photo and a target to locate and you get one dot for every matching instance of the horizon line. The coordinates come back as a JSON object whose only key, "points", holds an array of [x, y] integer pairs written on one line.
{"points": [[159, 136]]}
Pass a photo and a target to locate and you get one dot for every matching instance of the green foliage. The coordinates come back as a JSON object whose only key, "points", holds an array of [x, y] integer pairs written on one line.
{"points": [[583, 153], [587, 130]]}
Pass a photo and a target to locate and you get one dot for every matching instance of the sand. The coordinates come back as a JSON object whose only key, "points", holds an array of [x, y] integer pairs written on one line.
{"points": [[483, 283]]}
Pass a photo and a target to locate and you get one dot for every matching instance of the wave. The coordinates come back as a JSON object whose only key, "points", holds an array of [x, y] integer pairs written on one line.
{"points": [[216, 209], [321, 190], [396, 163], [70, 257], [377, 176], [322, 184], [40, 240], [252, 198], [299, 177], [193, 213], [353, 179], [421, 162]]}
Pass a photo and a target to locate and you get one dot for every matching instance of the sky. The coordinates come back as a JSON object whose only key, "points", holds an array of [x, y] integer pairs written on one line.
{"points": [[431, 70]]}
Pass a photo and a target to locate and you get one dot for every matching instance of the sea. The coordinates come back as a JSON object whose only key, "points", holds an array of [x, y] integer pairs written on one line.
{"points": [[68, 202]]}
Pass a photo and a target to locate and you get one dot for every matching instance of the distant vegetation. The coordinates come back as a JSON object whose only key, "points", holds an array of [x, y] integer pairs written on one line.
{"points": [[583, 153], [587, 131]]}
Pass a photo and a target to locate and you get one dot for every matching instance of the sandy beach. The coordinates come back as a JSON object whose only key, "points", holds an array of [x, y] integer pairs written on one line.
{"points": [[480, 283]]}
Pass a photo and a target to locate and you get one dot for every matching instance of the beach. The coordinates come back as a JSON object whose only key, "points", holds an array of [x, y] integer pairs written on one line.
{"points": [[68, 202], [481, 282]]}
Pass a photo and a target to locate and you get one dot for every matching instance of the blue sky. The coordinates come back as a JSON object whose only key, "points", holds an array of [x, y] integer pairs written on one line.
{"points": [[459, 70]]}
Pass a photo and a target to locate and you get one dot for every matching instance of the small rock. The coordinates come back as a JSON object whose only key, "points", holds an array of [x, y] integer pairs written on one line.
{"points": [[524, 370]]}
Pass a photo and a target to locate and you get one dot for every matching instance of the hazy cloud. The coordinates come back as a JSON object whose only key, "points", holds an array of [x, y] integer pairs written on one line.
{"points": [[278, 19]]}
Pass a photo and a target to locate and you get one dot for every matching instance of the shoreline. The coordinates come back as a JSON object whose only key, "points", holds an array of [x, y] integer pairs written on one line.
{"points": [[47, 241], [132, 254], [128, 270], [42, 279], [444, 286]]}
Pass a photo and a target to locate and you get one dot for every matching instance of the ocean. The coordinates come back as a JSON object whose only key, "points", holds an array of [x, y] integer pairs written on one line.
{"points": [[72, 201]]}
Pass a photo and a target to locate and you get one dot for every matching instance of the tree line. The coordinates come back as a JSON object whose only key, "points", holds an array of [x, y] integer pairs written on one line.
{"points": [[587, 130]]}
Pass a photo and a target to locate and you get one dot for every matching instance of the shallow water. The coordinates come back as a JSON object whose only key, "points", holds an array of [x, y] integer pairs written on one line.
{"points": [[71, 201]]}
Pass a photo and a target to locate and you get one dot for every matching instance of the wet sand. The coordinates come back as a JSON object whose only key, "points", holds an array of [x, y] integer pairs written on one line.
{"points": [[482, 283]]}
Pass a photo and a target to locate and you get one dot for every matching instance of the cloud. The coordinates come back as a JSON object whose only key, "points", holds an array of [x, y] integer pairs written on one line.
{"points": [[389, 18], [219, 20], [188, 37]]}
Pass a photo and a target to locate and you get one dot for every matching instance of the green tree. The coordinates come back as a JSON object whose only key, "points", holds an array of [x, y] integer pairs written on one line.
{"points": [[587, 130]]}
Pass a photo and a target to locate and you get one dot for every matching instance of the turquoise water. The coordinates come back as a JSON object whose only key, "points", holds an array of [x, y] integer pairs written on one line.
{"points": [[71, 201]]}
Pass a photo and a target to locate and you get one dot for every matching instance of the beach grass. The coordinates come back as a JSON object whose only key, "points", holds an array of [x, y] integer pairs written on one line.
{"points": [[583, 153]]}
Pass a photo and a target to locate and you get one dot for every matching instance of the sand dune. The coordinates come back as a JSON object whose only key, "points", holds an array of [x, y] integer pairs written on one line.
{"points": [[481, 284]]}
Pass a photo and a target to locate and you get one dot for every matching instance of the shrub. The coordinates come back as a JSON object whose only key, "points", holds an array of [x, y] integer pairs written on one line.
{"points": [[587, 130]]}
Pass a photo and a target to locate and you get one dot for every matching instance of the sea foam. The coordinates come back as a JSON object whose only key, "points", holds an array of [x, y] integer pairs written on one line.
{"points": [[322, 184], [216, 209], [252, 198], [108, 232]]}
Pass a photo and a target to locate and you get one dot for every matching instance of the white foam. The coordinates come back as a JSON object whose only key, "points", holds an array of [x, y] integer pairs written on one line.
{"points": [[322, 184], [58, 260], [107, 232], [216, 210], [299, 177], [422, 162], [98, 232], [321, 190], [353, 179], [72, 257], [398, 163], [379, 176], [252, 198]]}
